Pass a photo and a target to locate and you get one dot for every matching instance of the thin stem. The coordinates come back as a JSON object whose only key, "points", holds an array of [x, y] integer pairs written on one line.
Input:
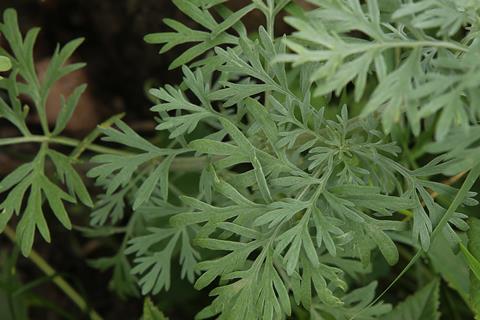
{"points": [[60, 140], [185, 164], [350, 49], [416, 44], [41, 107], [58, 280], [353, 49], [89, 139], [464, 189], [270, 17]]}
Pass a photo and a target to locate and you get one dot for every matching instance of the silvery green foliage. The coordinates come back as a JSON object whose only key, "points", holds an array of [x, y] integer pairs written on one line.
{"points": [[289, 201], [424, 55], [290, 197]]}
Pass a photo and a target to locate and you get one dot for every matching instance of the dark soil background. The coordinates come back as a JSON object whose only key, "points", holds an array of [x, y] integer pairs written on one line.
{"points": [[118, 61]]}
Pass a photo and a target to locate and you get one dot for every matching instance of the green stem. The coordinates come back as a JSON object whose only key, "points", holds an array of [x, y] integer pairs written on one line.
{"points": [[406, 44], [89, 139], [58, 280], [185, 164], [270, 17], [60, 140], [457, 201]]}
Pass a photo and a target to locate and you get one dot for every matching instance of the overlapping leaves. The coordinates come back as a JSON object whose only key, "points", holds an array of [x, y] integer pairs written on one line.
{"points": [[289, 197], [394, 43]]}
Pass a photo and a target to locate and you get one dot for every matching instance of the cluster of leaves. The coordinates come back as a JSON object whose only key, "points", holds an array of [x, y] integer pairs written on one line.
{"points": [[294, 199], [28, 187], [418, 58], [291, 201]]}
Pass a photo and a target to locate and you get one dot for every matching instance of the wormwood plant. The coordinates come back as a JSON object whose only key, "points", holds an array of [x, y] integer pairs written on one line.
{"points": [[312, 159]]}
